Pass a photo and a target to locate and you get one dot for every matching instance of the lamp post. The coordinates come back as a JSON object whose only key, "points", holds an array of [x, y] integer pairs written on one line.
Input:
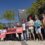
{"points": [[20, 14]]}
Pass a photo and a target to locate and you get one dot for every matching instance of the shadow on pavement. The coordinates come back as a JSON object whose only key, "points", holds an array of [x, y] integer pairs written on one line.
{"points": [[23, 43]]}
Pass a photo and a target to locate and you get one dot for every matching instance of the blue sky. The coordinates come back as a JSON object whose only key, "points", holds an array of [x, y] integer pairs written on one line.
{"points": [[14, 4], [10, 4]]}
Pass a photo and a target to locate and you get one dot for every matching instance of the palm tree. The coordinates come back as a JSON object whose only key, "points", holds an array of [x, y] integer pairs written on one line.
{"points": [[9, 15]]}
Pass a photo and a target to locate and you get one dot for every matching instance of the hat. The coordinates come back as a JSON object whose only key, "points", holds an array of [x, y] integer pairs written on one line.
{"points": [[30, 17]]}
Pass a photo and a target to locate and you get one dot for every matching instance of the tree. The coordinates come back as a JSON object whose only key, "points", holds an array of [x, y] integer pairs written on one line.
{"points": [[1, 26], [9, 15], [35, 6]]}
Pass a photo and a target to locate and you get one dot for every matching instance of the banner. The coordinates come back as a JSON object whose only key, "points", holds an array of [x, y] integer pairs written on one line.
{"points": [[19, 30]]}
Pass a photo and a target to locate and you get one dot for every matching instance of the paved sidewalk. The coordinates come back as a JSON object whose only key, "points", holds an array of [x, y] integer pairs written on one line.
{"points": [[22, 43], [36, 42], [10, 43]]}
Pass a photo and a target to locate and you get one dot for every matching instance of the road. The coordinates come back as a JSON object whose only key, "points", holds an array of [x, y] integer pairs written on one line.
{"points": [[22, 42]]}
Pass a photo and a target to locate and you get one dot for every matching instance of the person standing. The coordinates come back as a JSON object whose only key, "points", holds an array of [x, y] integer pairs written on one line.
{"points": [[3, 33], [27, 32], [31, 28], [43, 22], [24, 31], [37, 25], [18, 32]]}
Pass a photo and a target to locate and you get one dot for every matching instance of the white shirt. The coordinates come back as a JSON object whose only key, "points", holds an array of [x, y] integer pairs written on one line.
{"points": [[23, 26], [0, 30], [31, 24], [3, 30]]}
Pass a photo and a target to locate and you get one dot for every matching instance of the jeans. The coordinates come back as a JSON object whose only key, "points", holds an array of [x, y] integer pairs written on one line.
{"points": [[24, 35], [27, 34]]}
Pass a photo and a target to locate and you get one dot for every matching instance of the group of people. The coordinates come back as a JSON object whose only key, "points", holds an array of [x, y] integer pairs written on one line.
{"points": [[32, 29]]}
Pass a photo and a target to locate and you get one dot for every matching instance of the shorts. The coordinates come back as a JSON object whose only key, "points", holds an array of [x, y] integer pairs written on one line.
{"points": [[31, 31], [38, 30]]}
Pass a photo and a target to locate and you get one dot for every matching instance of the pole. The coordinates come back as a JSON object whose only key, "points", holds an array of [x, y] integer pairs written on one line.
{"points": [[18, 16]]}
